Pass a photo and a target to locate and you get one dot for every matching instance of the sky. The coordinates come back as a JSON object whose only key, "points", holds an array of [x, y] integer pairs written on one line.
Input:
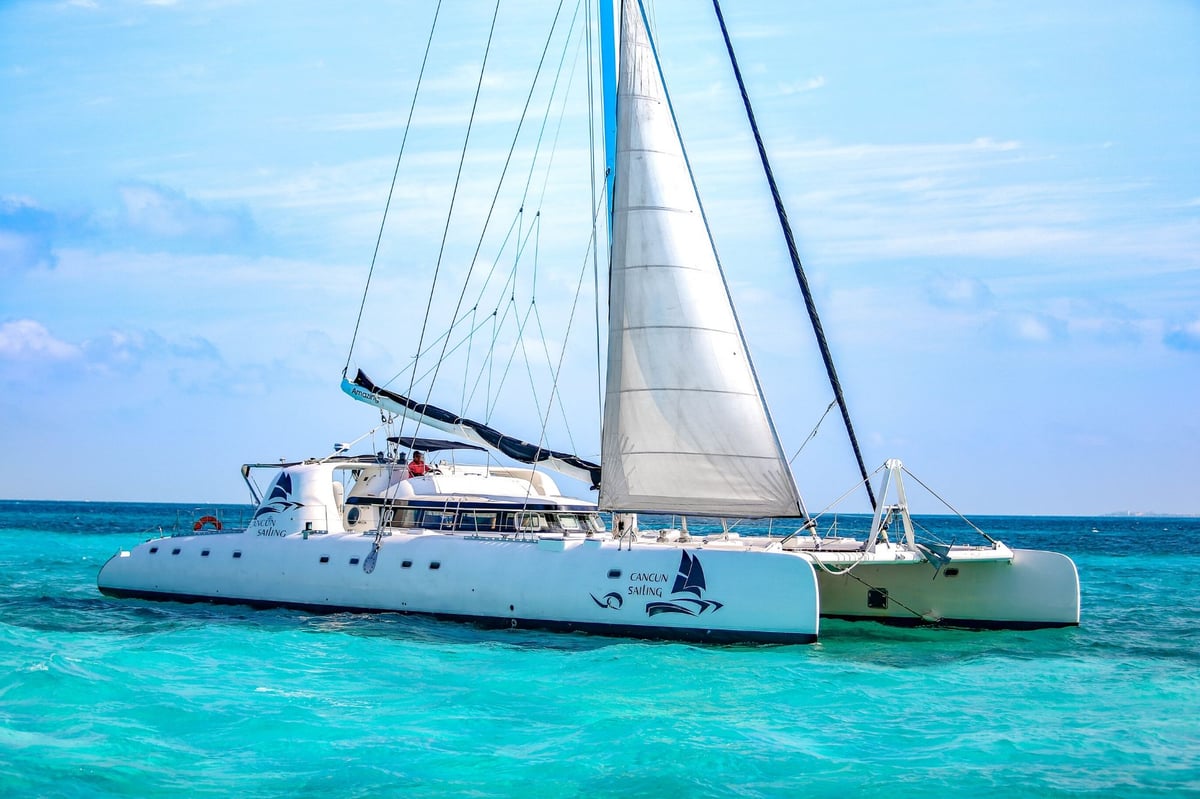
{"points": [[997, 204]]}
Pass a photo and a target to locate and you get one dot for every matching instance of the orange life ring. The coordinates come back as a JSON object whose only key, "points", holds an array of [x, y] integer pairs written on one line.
{"points": [[203, 520]]}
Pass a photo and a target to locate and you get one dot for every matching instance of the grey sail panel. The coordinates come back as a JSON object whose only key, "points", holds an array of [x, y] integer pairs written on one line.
{"points": [[686, 429]]}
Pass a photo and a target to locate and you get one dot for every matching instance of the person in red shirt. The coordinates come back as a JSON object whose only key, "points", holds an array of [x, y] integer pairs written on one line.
{"points": [[417, 466]]}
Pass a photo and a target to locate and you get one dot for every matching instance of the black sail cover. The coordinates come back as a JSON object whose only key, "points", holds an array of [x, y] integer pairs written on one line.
{"points": [[363, 389]]}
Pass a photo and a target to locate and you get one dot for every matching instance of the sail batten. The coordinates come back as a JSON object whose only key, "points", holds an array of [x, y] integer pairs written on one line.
{"points": [[686, 429]]}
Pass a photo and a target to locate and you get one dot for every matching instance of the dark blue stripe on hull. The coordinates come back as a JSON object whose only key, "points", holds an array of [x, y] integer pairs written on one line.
{"points": [[497, 623], [958, 624]]}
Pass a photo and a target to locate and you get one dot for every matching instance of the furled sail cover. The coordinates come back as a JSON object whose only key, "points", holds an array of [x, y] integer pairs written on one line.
{"points": [[686, 429], [364, 390]]}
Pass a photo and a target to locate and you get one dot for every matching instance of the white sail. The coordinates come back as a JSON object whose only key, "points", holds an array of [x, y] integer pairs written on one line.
{"points": [[686, 429]]}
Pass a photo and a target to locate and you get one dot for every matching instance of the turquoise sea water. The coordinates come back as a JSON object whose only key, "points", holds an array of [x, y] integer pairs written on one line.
{"points": [[105, 698]]}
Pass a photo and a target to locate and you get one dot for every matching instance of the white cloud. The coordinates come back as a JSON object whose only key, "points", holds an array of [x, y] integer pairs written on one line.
{"points": [[1184, 337], [809, 85], [162, 213], [1035, 328], [960, 292], [26, 340]]}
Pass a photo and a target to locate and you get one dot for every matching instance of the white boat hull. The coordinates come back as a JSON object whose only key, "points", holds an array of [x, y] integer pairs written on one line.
{"points": [[571, 584], [1035, 589]]}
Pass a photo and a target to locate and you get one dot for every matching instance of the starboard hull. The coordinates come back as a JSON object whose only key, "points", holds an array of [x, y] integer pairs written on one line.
{"points": [[1034, 590]]}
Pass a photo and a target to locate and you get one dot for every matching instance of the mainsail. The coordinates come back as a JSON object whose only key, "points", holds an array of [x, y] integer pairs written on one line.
{"points": [[686, 429]]}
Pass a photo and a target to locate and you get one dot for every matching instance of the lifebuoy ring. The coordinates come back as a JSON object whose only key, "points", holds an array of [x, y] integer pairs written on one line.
{"points": [[203, 520]]}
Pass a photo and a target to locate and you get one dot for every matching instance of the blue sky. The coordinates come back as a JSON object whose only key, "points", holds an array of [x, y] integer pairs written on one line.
{"points": [[998, 205]]}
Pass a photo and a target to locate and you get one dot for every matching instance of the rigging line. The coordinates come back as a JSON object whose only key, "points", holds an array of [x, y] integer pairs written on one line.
{"points": [[497, 325], [500, 251], [809, 303], [813, 434], [515, 225], [466, 337], [537, 403], [562, 112], [555, 372], [412, 361], [562, 353], [951, 507], [509, 289], [522, 240], [503, 172], [817, 516], [467, 361], [495, 395], [403, 141], [595, 232], [550, 101], [450, 213], [550, 364], [890, 597]]}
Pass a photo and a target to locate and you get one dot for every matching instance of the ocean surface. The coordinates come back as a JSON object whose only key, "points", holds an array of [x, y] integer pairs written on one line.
{"points": [[111, 698]]}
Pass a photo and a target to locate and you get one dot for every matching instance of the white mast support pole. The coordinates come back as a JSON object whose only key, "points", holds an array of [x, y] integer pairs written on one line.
{"points": [[894, 466], [880, 508]]}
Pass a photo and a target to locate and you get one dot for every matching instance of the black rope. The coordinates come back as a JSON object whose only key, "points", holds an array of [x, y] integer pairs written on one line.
{"points": [[392, 190], [791, 243]]}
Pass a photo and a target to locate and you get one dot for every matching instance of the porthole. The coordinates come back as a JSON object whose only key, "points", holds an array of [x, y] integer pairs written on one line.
{"points": [[176, 551], [324, 558], [153, 550], [237, 554], [437, 564], [353, 561], [406, 564], [352, 515], [614, 574], [951, 572], [204, 553]]}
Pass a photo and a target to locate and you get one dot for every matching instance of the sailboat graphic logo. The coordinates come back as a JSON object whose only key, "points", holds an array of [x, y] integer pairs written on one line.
{"points": [[279, 498], [690, 580]]}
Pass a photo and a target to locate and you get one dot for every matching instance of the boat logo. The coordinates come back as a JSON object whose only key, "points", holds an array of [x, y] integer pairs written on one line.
{"points": [[279, 498], [690, 580], [610, 600]]}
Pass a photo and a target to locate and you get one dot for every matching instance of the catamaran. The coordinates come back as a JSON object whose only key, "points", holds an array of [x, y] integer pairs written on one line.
{"points": [[686, 433]]}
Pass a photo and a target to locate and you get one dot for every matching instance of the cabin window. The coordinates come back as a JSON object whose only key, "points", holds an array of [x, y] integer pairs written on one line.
{"points": [[437, 519], [353, 561], [324, 558], [176, 551], [237, 554], [614, 574], [594, 522], [204, 554], [437, 564], [877, 598], [352, 515], [569, 521], [406, 564], [404, 518], [530, 521], [477, 520], [950, 572], [153, 550]]}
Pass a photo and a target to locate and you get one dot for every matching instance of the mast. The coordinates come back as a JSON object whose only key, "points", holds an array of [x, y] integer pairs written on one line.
{"points": [[608, 85], [809, 303]]}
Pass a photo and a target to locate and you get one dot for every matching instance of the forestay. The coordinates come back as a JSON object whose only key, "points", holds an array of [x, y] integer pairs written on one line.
{"points": [[686, 429]]}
